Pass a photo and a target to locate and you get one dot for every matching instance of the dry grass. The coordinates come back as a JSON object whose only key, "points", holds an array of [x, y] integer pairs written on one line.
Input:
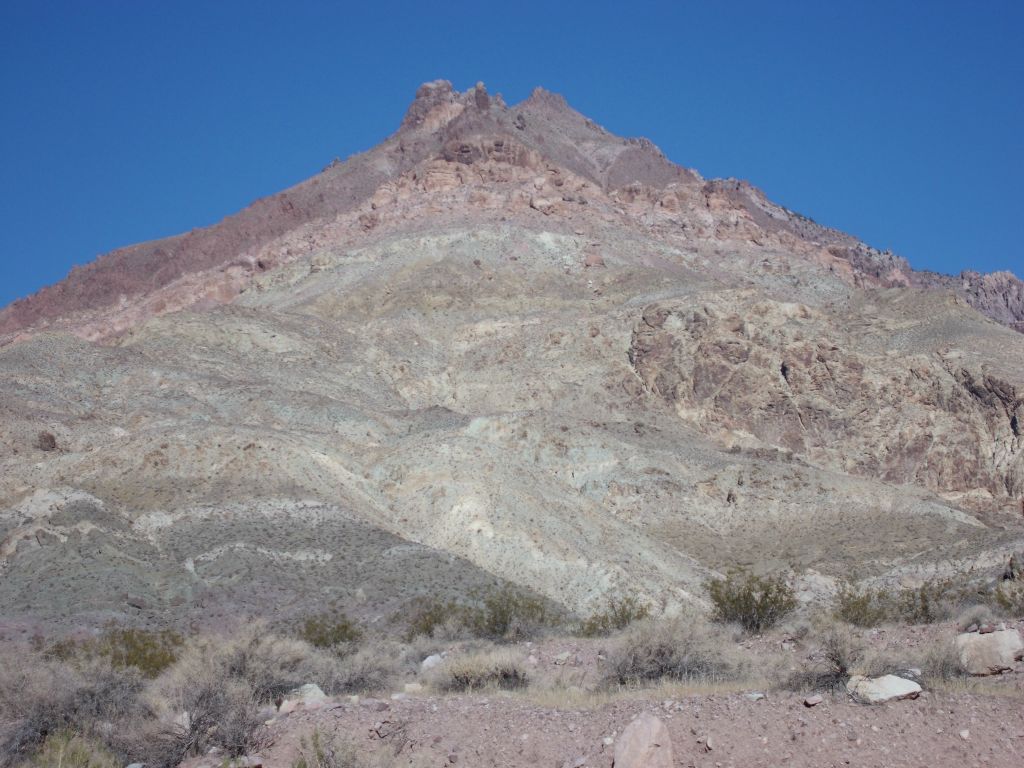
{"points": [[493, 669], [683, 649]]}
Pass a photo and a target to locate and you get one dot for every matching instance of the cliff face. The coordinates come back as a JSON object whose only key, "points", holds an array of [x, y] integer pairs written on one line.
{"points": [[503, 346]]}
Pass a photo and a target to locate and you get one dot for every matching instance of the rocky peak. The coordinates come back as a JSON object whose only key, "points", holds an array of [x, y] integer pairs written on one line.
{"points": [[429, 97]]}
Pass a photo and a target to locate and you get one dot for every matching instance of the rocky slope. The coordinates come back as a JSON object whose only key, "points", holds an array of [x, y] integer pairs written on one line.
{"points": [[503, 346]]}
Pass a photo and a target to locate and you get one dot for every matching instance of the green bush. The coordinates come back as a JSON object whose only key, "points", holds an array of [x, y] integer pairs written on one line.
{"points": [[863, 608], [756, 603], [428, 616], [506, 614], [330, 630], [503, 614], [151, 652], [620, 613]]}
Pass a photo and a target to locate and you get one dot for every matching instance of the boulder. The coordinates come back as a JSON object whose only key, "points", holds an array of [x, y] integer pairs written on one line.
{"points": [[878, 690], [992, 653], [308, 696], [644, 744]]}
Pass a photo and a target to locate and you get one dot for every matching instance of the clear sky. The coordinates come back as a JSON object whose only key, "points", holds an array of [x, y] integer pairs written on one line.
{"points": [[127, 120]]}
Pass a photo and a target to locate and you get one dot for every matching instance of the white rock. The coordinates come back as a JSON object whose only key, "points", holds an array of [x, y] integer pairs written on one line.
{"points": [[431, 661], [308, 696], [644, 744], [878, 690], [413, 688], [992, 653]]}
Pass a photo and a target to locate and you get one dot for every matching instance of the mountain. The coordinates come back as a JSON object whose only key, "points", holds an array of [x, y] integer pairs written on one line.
{"points": [[503, 347]]}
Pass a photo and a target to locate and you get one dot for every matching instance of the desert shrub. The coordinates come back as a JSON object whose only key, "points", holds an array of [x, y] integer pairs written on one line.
{"points": [[940, 660], [493, 668], [330, 631], [41, 697], [931, 602], [506, 614], [320, 752], [836, 654], [65, 749], [678, 649], [430, 616], [219, 711], [150, 652], [619, 614], [501, 614], [863, 607], [755, 602], [271, 665], [369, 669]]}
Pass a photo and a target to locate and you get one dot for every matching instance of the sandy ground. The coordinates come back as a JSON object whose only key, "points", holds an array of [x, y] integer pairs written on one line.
{"points": [[564, 719]]}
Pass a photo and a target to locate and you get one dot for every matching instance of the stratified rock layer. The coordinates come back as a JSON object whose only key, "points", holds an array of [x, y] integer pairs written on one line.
{"points": [[503, 347]]}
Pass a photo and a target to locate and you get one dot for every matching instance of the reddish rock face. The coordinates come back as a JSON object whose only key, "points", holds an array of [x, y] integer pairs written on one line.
{"points": [[543, 131]]}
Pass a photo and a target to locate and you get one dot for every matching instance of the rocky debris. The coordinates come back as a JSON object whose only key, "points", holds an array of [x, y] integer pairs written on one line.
{"points": [[644, 743], [878, 690], [754, 696], [308, 697], [45, 441], [991, 653], [813, 701]]}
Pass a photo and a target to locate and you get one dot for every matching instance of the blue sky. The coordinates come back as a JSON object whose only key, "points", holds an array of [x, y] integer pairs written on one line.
{"points": [[123, 121]]}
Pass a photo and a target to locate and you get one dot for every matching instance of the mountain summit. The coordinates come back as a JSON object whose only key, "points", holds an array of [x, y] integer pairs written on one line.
{"points": [[502, 347]]}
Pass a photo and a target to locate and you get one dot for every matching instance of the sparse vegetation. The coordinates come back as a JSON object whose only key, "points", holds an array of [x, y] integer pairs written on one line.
{"points": [[862, 607], [321, 752], [682, 649], [619, 614], [330, 631], [756, 603], [65, 749], [503, 615], [833, 660], [150, 652], [428, 616]]}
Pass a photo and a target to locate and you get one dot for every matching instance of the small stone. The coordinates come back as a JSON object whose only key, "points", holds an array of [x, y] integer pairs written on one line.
{"points": [[965, 734], [813, 701], [754, 696], [562, 657], [413, 688]]}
